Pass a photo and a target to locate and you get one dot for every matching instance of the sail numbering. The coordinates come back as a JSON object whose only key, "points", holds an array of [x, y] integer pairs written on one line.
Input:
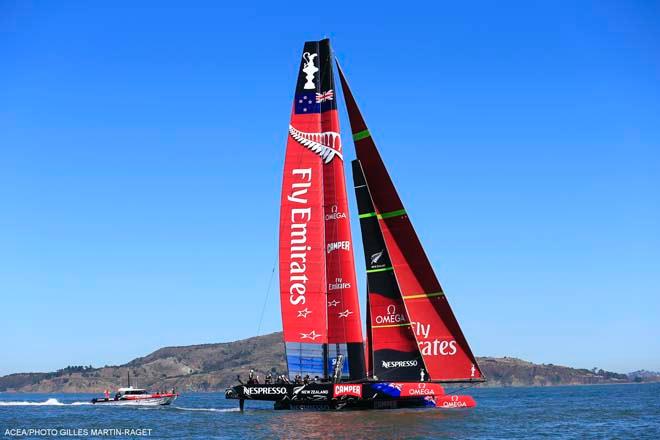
{"points": [[413, 342]]}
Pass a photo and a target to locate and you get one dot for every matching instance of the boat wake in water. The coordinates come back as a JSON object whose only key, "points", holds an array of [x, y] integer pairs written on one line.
{"points": [[222, 410], [55, 402], [48, 402]]}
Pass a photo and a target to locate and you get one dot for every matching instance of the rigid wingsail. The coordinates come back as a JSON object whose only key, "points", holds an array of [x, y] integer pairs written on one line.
{"points": [[413, 342], [318, 293]]}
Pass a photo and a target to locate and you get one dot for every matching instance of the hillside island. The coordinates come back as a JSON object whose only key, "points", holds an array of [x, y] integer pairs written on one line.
{"points": [[214, 367]]}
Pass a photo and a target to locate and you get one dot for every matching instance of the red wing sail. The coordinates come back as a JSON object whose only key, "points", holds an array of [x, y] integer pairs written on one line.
{"points": [[445, 351], [302, 254], [394, 354], [316, 259]]}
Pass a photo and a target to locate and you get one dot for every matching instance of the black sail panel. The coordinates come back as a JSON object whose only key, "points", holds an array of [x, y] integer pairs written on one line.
{"points": [[394, 352]]}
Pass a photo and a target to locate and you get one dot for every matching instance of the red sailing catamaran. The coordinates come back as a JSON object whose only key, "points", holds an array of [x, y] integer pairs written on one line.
{"points": [[414, 343]]}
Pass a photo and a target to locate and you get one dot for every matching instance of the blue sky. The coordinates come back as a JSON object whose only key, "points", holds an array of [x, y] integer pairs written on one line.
{"points": [[141, 152]]}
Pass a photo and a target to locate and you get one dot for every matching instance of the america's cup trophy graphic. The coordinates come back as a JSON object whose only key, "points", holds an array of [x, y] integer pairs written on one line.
{"points": [[310, 69]]}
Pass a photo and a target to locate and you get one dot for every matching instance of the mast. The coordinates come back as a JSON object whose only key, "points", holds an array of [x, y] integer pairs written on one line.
{"points": [[444, 349], [368, 345], [318, 296]]}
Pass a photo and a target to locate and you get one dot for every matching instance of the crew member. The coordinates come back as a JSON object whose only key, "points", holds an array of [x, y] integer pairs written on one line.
{"points": [[422, 375], [268, 379]]}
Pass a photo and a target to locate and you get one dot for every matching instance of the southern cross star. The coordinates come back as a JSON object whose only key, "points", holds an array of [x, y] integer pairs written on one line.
{"points": [[345, 313], [333, 303], [311, 335], [303, 313]]}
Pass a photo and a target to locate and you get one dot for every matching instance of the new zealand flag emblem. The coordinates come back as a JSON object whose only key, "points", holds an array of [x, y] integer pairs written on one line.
{"points": [[306, 103]]}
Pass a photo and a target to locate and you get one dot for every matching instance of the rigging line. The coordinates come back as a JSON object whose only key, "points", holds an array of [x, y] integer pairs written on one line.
{"points": [[270, 282], [263, 309], [364, 328], [466, 387], [367, 337]]}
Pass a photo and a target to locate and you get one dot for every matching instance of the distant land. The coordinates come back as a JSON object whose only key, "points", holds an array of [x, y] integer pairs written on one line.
{"points": [[213, 367]]}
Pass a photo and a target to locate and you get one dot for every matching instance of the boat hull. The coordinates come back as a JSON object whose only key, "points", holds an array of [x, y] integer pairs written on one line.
{"points": [[143, 401], [364, 395]]}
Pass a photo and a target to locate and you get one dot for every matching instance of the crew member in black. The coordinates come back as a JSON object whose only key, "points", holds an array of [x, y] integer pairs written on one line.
{"points": [[268, 379]]}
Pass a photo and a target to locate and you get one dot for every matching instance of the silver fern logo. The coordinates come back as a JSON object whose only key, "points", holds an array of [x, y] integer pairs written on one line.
{"points": [[326, 144], [376, 257]]}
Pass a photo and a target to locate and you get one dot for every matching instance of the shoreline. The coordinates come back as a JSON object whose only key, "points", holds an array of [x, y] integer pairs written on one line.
{"points": [[573, 385]]}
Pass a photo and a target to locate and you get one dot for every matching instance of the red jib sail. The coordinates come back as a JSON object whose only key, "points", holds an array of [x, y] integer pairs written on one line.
{"points": [[446, 353], [320, 309]]}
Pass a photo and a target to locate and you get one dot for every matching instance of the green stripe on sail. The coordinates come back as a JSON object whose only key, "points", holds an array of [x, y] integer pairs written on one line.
{"points": [[361, 135], [382, 269], [392, 214], [423, 295], [406, 324], [367, 215]]}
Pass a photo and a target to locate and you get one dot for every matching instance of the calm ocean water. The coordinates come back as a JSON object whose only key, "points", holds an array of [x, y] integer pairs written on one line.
{"points": [[614, 411]]}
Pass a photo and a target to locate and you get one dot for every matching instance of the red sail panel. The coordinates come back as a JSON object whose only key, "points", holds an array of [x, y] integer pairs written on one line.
{"points": [[302, 240], [394, 345], [440, 339], [344, 324], [446, 353], [302, 258]]}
